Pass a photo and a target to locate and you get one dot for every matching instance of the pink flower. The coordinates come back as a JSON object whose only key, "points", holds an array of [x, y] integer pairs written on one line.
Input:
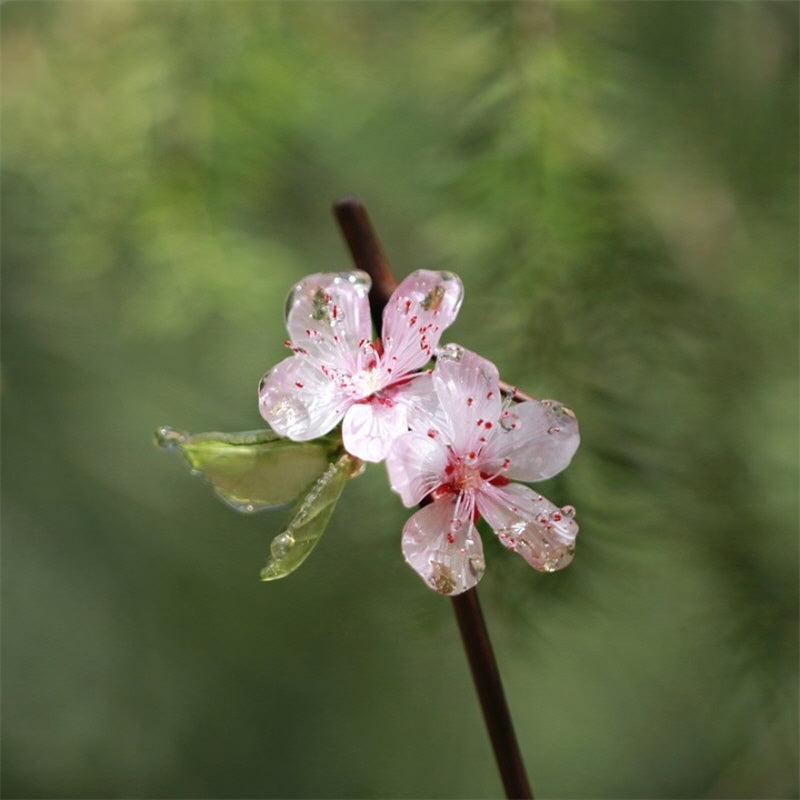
{"points": [[464, 457], [338, 373]]}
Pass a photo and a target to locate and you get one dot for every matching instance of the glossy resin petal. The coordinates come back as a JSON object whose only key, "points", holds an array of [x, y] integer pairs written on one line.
{"points": [[530, 525], [419, 310], [442, 545]]}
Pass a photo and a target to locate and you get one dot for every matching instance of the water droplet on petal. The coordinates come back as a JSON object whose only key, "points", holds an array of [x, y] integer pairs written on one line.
{"points": [[559, 412], [477, 566], [555, 557], [287, 413], [509, 421], [281, 545], [545, 546], [433, 299], [568, 511], [355, 277], [450, 352], [441, 578]]}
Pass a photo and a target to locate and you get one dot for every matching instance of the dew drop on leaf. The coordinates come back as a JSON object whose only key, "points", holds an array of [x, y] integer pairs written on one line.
{"points": [[170, 438], [281, 545]]}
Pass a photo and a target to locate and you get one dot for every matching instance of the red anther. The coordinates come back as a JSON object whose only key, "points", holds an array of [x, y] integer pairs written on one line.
{"points": [[441, 491]]}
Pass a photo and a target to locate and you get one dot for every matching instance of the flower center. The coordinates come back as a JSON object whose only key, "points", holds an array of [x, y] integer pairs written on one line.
{"points": [[464, 474], [366, 382]]}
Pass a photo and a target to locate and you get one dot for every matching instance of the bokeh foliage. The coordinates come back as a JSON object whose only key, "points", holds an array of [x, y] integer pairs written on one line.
{"points": [[616, 183]]}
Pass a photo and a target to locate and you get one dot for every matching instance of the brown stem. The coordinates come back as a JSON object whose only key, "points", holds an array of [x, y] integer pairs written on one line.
{"points": [[486, 676], [367, 253], [515, 393]]}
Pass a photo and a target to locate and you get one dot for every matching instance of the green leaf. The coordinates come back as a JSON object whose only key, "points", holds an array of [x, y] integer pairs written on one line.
{"points": [[254, 470], [291, 548]]}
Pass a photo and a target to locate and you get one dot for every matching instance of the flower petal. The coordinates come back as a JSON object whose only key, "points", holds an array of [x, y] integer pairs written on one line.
{"points": [[370, 428], [529, 524], [539, 437], [468, 389], [298, 401], [420, 308], [442, 545], [415, 463], [327, 316], [424, 412]]}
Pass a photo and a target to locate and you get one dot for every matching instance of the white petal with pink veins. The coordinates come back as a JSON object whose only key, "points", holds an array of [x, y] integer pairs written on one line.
{"points": [[539, 437], [468, 390], [419, 310], [441, 544], [298, 401], [370, 427], [416, 465], [529, 524], [424, 411], [327, 316]]}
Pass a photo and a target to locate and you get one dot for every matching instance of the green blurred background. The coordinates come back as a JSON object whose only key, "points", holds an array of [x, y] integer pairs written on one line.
{"points": [[616, 183]]}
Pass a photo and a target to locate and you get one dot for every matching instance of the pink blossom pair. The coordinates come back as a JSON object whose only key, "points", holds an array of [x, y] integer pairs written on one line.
{"points": [[448, 436]]}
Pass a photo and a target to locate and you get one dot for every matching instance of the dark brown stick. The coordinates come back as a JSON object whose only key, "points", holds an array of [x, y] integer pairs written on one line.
{"points": [[368, 255], [487, 680]]}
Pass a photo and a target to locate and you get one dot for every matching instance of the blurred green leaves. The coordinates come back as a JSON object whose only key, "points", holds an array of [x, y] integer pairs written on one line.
{"points": [[616, 184]]}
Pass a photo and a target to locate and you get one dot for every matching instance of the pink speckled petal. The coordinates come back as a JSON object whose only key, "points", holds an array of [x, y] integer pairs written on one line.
{"points": [[530, 525], [327, 316], [539, 438], [369, 428], [442, 545], [419, 310], [298, 401], [468, 389], [416, 463]]}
